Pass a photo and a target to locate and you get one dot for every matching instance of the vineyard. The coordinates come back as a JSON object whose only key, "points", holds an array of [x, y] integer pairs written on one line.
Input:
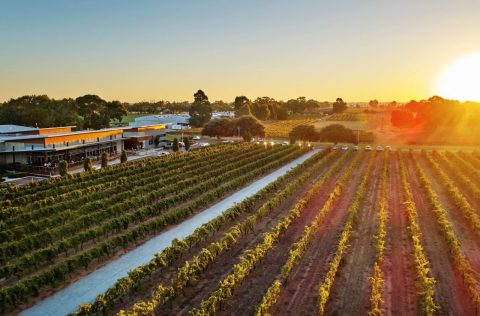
{"points": [[342, 233], [348, 116], [56, 230], [281, 129]]}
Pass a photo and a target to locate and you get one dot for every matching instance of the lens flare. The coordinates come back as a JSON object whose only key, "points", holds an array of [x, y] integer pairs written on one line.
{"points": [[460, 80]]}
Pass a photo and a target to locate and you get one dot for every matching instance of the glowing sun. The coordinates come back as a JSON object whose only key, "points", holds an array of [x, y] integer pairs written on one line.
{"points": [[460, 80]]}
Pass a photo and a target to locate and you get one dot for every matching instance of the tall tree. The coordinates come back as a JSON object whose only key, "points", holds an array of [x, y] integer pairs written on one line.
{"points": [[242, 106], [373, 103], [339, 106], [200, 111], [104, 160], [297, 105], [90, 108], [260, 108], [123, 156], [87, 164], [115, 110], [175, 146]]}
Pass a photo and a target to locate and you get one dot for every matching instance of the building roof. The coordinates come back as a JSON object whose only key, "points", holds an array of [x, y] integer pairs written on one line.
{"points": [[11, 129], [27, 137]]}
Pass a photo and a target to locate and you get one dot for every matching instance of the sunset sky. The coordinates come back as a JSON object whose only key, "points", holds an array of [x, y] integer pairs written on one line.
{"points": [[152, 50]]}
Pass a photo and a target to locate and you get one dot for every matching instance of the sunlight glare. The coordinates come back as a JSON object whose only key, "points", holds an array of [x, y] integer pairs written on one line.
{"points": [[460, 80]]}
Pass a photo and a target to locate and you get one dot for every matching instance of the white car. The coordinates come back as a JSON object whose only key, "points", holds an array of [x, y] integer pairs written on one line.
{"points": [[356, 147], [284, 143], [345, 147], [379, 148], [368, 148], [204, 144], [196, 137], [389, 148]]}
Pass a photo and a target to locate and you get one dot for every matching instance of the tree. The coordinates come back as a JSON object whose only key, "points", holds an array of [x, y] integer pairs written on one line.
{"points": [[278, 110], [222, 127], [156, 140], [201, 110], [123, 156], [97, 112], [401, 118], [63, 168], [186, 141], [242, 106], [39, 111], [250, 127], [115, 110], [392, 104], [90, 108], [104, 160], [221, 106], [303, 132], [260, 108], [87, 164], [175, 146], [339, 106], [336, 133], [297, 105], [373, 103]]}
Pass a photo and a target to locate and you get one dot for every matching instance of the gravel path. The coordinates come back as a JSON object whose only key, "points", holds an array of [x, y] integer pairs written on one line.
{"points": [[86, 289]]}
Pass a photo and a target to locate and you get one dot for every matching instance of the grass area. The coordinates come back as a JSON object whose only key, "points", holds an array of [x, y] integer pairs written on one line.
{"points": [[191, 131], [126, 119]]}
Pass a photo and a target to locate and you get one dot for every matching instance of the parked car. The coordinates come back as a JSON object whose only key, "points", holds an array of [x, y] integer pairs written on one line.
{"points": [[356, 147], [284, 143], [335, 147], [389, 148], [379, 148], [196, 137], [368, 148], [345, 147], [204, 144]]}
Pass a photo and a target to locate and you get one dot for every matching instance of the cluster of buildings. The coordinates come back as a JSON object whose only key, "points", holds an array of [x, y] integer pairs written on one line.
{"points": [[39, 150]]}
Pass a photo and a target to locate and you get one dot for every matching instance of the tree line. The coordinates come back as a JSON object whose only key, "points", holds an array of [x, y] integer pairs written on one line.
{"points": [[264, 108], [436, 111], [335, 133], [88, 111]]}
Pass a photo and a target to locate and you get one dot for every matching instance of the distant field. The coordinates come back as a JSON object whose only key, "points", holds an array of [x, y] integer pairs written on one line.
{"points": [[348, 116], [281, 129]]}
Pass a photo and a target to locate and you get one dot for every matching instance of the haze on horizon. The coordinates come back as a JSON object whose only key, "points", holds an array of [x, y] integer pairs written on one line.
{"points": [[152, 50]]}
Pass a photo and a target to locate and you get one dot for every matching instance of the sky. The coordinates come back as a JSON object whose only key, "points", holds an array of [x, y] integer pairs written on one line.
{"points": [[166, 50]]}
